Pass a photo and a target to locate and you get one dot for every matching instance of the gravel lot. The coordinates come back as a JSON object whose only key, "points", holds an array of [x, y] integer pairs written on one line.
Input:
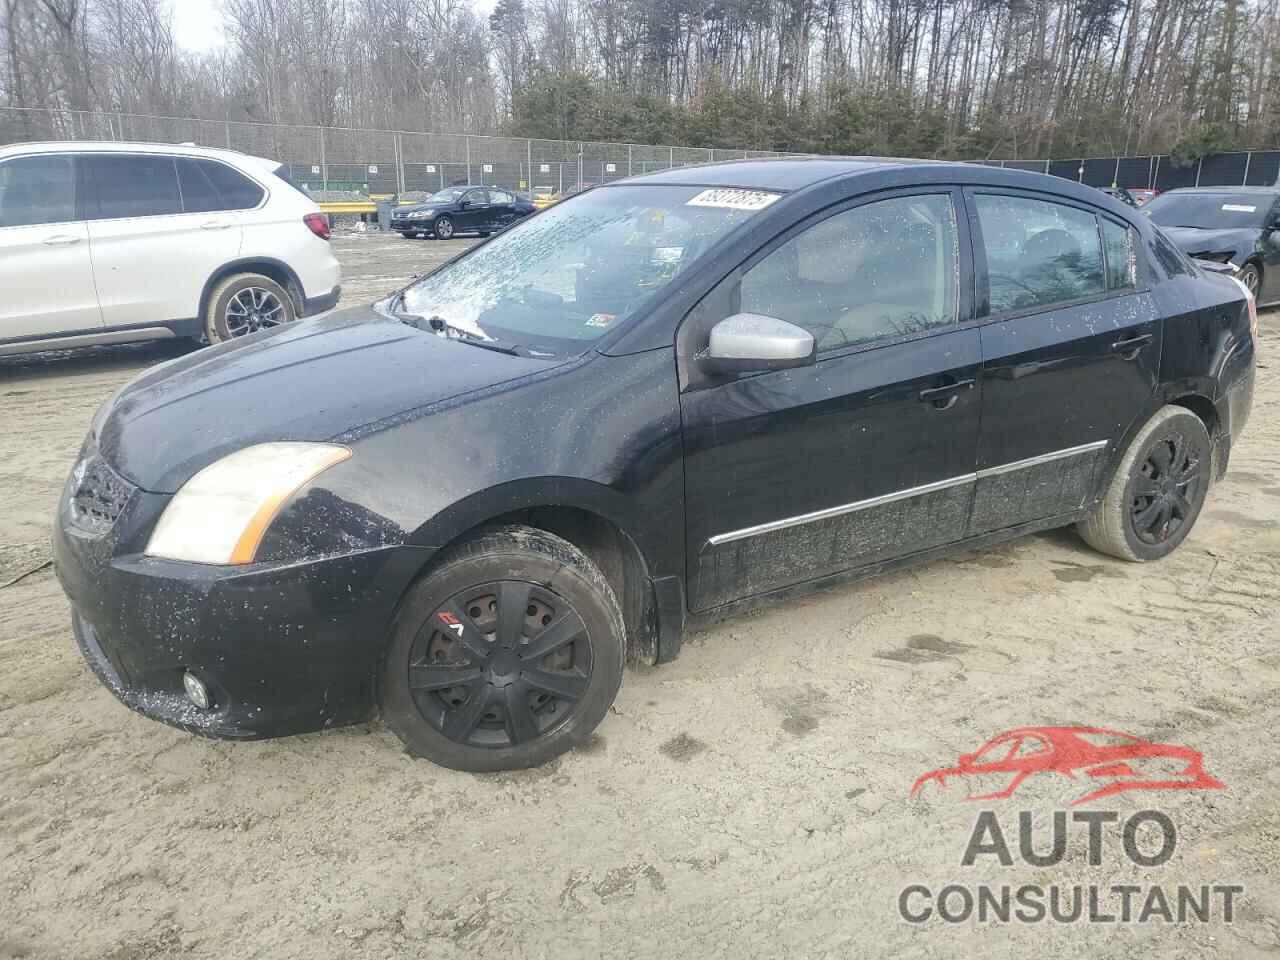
{"points": [[748, 800]]}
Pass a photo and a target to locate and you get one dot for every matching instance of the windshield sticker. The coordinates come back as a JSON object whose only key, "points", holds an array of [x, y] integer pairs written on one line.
{"points": [[731, 199], [667, 254], [1239, 208], [601, 319]]}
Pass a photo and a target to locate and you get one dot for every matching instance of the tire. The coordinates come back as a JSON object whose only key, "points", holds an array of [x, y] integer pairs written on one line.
{"points": [[245, 303], [482, 234], [443, 228], [469, 689], [408, 234], [1157, 492], [1251, 277]]}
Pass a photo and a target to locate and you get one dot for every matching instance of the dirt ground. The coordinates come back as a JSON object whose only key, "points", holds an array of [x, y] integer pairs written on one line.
{"points": [[748, 800]]}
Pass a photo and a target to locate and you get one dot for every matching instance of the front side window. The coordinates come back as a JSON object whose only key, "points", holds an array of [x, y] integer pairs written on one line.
{"points": [[1038, 253], [476, 196], [123, 185], [36, 190], [581, 268], [500, 196], [884, 269]]}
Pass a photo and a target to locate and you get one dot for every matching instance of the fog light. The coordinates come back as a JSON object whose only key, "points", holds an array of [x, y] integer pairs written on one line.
{"points": [[197, 692]]}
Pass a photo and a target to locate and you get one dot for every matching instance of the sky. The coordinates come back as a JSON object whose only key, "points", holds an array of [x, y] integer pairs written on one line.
{"points": [[197, 24]]}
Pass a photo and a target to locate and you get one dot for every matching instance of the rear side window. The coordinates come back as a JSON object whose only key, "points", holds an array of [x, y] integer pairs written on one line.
{"points": [[1120, 247], [208, 186], [1039, 253], [238, 192], [881, 270], [37, 190], [123, 185]]}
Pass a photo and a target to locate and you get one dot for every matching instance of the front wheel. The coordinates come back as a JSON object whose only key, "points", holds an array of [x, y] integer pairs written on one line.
{"points": [[1157, 491], [506, 655], [443, 228]]}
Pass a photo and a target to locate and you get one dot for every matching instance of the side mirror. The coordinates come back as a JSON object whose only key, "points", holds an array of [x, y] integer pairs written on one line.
{"points": [[464, 204], [748, 342]]}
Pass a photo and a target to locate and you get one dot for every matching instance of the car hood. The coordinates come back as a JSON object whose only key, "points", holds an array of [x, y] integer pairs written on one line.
{"points": [[1234, 241], [311, 380]]}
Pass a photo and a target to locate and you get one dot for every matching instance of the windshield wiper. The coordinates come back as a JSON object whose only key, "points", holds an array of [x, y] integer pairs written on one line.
{"points": [[440, 327]]}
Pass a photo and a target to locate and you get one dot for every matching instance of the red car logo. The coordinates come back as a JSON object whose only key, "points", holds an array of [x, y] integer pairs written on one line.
{"points": [[1119, 761]]}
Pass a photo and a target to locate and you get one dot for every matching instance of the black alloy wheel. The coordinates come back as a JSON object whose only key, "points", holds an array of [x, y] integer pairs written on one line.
{"points": [[1166, 492], [500, 664], [505, 654]]}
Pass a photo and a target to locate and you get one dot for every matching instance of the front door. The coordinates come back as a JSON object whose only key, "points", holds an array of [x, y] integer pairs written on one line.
{"points": [[46, 276], [502, 211], [1070, 353], [868, 454], [474, 214]]}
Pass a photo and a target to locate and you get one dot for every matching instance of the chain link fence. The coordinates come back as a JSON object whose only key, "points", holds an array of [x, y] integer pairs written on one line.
{"points": [[1254, 168], [340, 163]]}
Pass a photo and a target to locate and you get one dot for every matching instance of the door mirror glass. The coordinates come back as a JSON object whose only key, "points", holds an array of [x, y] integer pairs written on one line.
{"points": [[752, 341]]}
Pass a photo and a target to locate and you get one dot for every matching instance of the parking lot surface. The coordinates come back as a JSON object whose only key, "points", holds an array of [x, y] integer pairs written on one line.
{"points": [[750, 799]]}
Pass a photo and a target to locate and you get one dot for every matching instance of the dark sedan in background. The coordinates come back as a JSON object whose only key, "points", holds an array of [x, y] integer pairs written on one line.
{"points": [[1239, 226], [456, 210]]}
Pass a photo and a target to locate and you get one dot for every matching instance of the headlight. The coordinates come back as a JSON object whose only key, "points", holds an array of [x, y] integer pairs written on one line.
{"points": [[421, 214], [220, 514]]}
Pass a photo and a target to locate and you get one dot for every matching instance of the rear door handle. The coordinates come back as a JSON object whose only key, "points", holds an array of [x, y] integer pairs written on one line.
{"points": [[1133, 344], [945, 396], [61, 240]]}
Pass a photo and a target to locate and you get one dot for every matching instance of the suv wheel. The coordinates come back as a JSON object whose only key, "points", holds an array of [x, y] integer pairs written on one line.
{"points": [[1157, 491], [506, 655], [246, 303]]}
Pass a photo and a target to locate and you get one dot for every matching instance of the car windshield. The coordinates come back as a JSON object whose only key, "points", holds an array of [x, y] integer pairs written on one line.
{"points": [[448, 195], [581, 267], [1209, 211]]}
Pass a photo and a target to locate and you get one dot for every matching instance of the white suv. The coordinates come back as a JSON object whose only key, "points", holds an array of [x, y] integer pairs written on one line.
{"points": [[120, 242]]}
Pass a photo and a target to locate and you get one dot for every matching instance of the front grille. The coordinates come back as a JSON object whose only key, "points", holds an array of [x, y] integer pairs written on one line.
{"points": [[98, 495]]}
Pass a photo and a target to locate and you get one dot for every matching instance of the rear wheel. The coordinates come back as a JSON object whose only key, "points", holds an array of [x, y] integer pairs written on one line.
{"points": [[1157, 491], [246, 303], [444, 228], [506, 655]]}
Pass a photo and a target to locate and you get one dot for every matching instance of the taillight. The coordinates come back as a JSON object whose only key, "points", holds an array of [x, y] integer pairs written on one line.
{"points": [[318, 224]]}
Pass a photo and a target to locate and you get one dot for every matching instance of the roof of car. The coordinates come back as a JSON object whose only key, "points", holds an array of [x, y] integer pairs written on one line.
{"points": [[1272, 191], [781, 173], [113, 146]]}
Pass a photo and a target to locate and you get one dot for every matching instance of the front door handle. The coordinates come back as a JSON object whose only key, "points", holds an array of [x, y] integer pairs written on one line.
{"points": [[214, 225], [1130, 346], [61, 240], [944, 397]]}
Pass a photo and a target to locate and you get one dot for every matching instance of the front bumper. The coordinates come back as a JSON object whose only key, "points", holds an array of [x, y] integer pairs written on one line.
{"points": [[284, 647], [403, 225]]}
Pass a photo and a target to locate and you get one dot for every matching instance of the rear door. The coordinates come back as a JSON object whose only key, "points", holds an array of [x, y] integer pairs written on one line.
{"points": [[1270, 292], [158, 230], [46, 278], [868, 454], [502, 210], [1070, 351]]}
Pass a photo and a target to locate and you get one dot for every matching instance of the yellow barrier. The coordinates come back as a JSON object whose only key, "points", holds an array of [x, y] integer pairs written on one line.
{"points": [[332, 207]]}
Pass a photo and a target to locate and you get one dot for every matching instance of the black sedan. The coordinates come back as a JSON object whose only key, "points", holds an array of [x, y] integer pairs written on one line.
{"points": [[458, 210], [1239, 226], [649, 406]]}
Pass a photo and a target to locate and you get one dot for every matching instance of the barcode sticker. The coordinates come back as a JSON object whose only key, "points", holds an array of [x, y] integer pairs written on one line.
{"points": [[733, 199]]}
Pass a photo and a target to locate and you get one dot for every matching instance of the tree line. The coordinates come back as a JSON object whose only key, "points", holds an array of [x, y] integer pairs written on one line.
{"points": [[970, 79]]}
